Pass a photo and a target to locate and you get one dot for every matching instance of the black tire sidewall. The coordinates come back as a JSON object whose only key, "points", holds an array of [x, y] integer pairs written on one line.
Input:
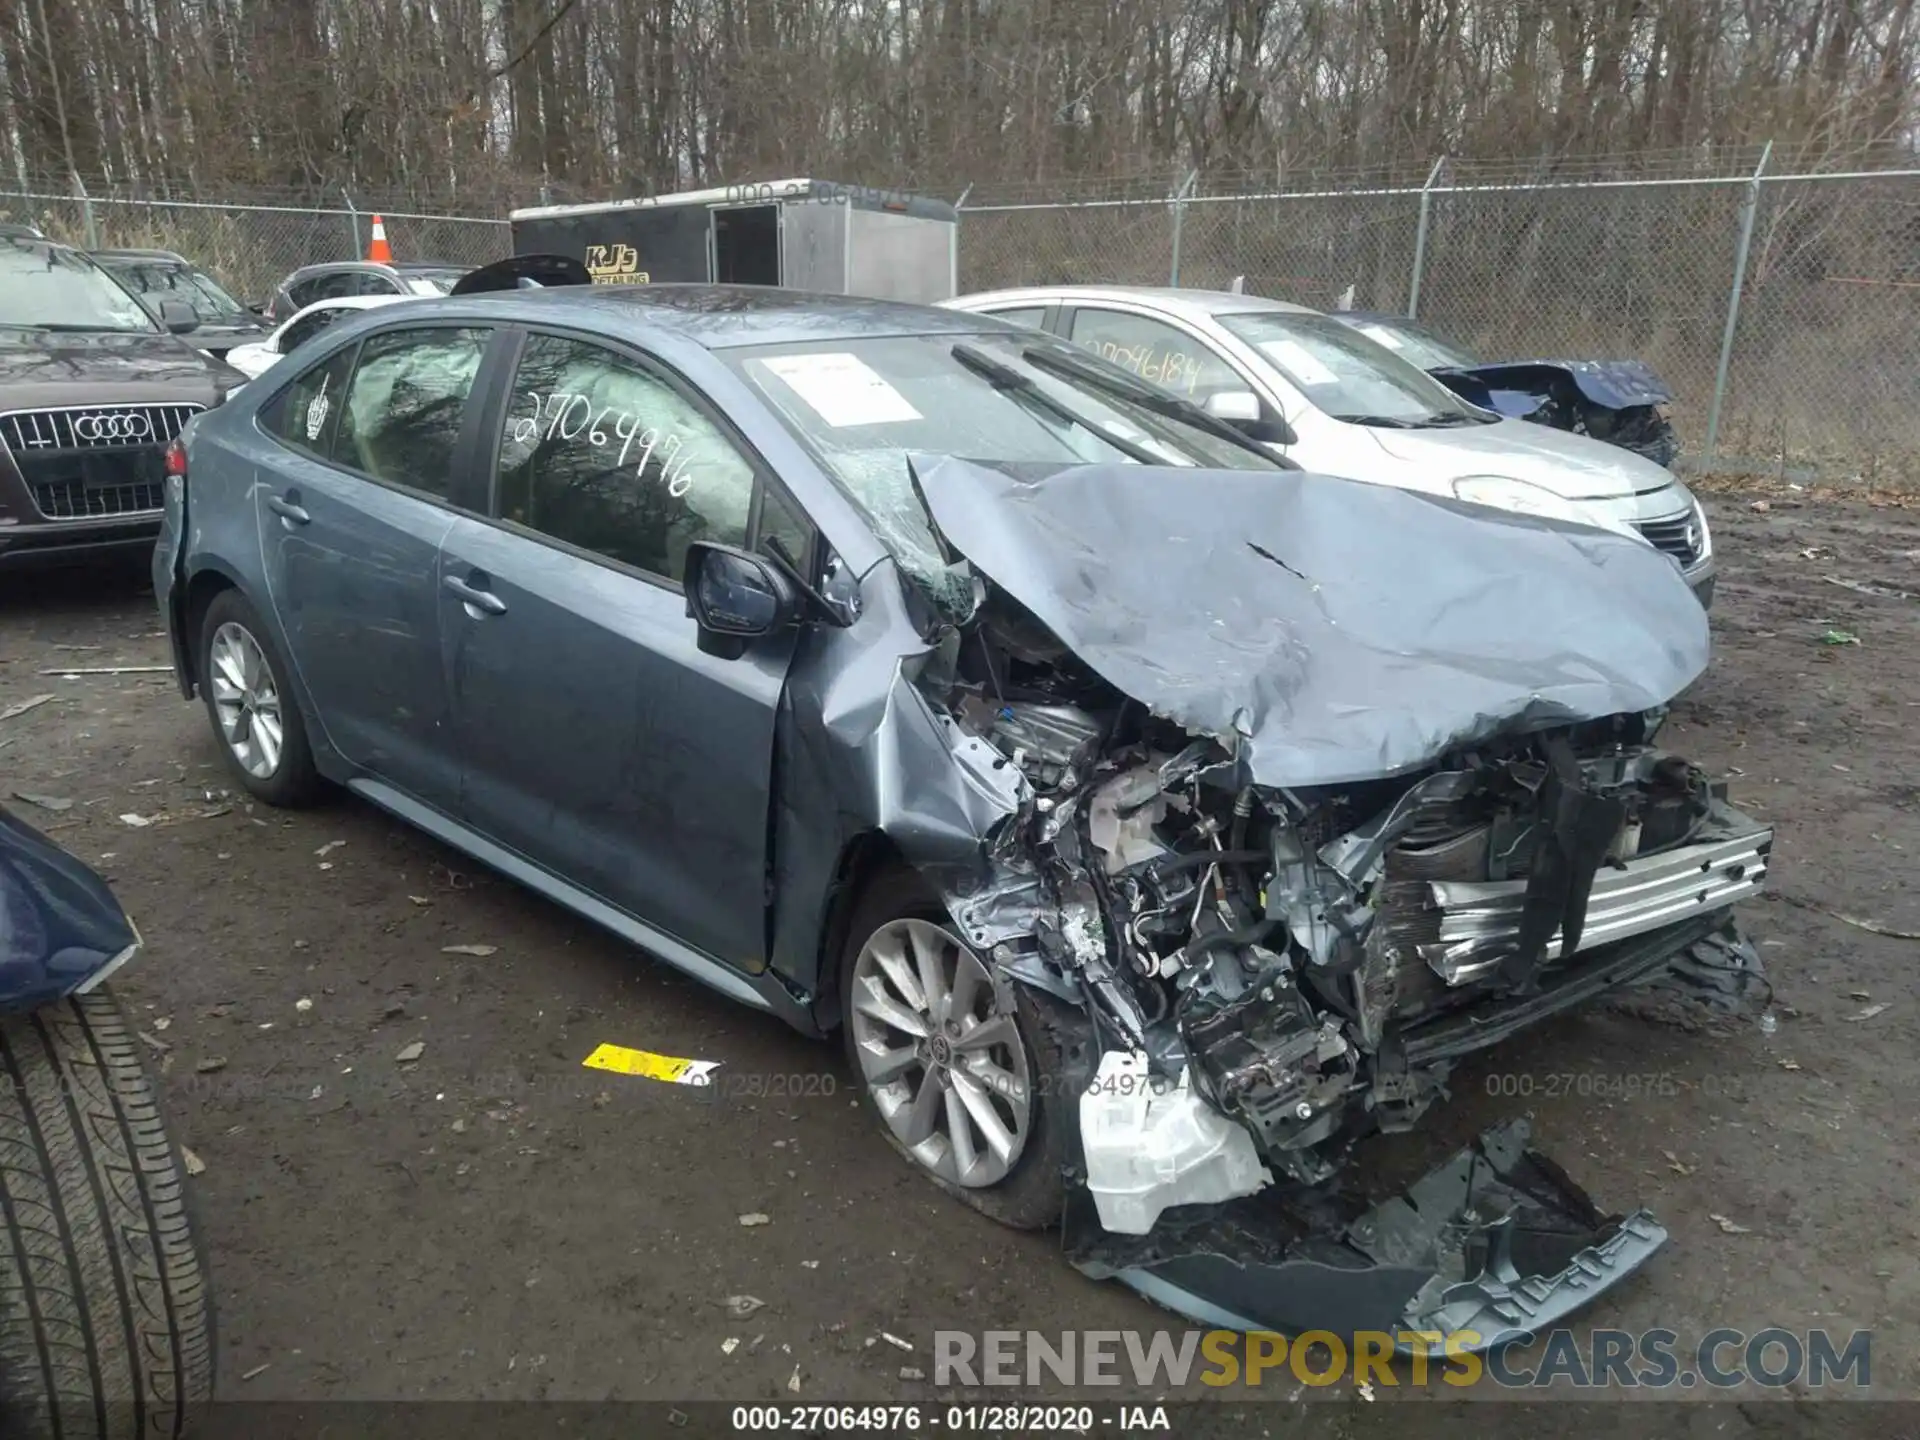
{"points": [[295, 781], [1033, 1193]]}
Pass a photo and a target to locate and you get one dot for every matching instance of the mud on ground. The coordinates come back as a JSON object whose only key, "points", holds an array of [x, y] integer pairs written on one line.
{"points": [[495, 1221]]}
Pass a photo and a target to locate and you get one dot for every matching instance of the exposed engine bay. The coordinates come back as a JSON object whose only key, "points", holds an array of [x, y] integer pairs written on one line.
{"points": [[1323, 788], [1316, 960]]}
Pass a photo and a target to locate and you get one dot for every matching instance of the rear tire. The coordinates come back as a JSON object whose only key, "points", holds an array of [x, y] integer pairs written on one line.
{"points": [[106, 1314], [256, 718]]}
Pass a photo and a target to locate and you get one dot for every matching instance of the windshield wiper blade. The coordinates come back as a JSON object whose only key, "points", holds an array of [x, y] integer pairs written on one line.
{"points": [[1004, 377], [67, 329], [1383, 422], [1171, 406], [1453, 421]]}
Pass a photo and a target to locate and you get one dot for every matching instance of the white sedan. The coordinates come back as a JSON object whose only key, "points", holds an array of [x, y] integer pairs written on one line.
{"points": [[1338, 403], [255, 360]]}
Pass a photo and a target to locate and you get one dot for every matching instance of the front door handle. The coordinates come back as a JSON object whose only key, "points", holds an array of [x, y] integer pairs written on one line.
{"points": [[289, 508], [484, 601]]}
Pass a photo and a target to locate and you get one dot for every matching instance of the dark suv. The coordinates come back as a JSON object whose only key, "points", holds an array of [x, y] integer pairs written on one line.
{"points": [[341, 278], [157, 275], [92, 390]]}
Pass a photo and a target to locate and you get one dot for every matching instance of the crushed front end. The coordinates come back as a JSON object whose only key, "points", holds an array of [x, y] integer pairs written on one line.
{"points": [[1275, 959], [1282, 972]]}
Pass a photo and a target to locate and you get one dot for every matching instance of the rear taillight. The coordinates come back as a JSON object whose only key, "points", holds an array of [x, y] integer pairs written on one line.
{"points": [[176, 466]]}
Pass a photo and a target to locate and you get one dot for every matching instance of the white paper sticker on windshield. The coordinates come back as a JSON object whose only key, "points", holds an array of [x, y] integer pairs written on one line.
{"points": [[1294, 358], [843, 389], [1380, 335]]}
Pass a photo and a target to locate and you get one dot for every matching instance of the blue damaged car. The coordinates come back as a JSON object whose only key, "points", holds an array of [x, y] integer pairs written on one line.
{"points": [[1619, 401], [1151, 821]]}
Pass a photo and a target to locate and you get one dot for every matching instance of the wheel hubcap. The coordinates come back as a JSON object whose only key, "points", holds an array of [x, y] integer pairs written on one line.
{"points": [[946, 1071], [246, 700]]}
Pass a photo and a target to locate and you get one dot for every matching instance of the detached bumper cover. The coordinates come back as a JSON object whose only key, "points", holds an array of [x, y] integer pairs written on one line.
{"points": [[1494, 1245]]}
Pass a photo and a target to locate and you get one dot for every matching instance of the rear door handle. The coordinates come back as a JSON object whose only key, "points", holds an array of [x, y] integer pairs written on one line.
{"points": [[484, 601], [289, 509]]}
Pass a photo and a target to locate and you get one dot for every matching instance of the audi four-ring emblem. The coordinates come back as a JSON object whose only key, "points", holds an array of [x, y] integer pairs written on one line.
{"points": [[112, 425]]}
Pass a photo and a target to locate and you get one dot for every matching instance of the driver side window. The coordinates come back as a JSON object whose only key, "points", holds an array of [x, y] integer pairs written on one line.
{"points": [[1155, 351], [602, 453]]}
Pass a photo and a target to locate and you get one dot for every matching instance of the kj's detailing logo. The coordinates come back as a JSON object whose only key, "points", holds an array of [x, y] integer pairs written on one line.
{"points": [[615, 265]]}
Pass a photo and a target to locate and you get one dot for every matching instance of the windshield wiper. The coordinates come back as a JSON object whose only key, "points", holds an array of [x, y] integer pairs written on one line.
{"points": [[1171, 406], [1383, 422], [1453, 421], [1005, 378]]}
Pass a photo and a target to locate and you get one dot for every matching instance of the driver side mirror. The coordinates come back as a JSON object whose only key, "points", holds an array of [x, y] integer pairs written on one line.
{"points": [[178, 317], [736, 597], [1242, 410]]}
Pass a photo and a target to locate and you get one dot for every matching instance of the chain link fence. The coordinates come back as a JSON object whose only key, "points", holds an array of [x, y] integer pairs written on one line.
{"points": [[250, 248], [1778, 295], [1780, 299]]}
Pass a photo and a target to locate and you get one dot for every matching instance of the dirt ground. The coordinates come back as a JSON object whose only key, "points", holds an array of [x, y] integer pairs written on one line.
{"points": [[495, 1221]]}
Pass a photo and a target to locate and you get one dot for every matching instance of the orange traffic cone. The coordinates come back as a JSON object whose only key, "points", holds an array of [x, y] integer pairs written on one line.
{"points": [[378, 250]]}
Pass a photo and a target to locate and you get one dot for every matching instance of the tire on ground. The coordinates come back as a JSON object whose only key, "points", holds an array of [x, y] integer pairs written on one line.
{"points": [[1033, 1194], [1721, 974], [296, 782], [105, 1307]]}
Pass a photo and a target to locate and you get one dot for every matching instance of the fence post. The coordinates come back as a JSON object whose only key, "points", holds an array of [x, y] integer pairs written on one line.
{"points": [[953, 244], [1420, 240], [1179, 214], [1749, 211], [353, 226], [86, 212]]}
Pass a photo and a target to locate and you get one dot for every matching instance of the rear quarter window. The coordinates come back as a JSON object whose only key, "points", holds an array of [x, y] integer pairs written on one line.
{"points": [[303, 416]]}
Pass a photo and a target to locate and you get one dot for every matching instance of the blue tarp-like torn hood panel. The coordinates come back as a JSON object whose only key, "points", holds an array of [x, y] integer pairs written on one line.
{"points": [[1616, 384], [1342, 631]]}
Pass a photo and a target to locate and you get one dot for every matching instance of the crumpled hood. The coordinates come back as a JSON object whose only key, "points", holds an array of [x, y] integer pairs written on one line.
{"points": [[1574, 467], [1347, 631], [1616, 384]]}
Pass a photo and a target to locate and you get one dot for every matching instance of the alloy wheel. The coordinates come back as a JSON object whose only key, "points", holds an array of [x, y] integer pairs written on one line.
{"points": [[246, 700], [947, 1071]]}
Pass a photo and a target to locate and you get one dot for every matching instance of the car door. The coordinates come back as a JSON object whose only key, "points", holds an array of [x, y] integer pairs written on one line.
{"points": [[351, 517], [597, 740]]}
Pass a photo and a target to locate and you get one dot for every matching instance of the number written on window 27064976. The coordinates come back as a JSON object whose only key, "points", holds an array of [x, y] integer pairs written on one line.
{"points": [[568, 416]]}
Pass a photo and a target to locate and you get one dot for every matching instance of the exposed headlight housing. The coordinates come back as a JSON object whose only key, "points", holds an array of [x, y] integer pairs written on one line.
{"points": [[1699, 532]]}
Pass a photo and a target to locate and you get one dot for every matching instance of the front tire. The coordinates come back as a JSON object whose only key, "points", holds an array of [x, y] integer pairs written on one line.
{"points": [[964, 1076], [105, 1308], [255, 716]]}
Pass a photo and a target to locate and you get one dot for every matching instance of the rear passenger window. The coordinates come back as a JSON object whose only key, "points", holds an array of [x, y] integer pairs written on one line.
{"points": [[1033, 315], [303, 414], [604, 455], [401, 414]]}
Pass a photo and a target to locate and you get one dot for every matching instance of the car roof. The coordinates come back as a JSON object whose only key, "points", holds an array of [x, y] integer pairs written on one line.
{"points": [[1194, 304], [399, 267], [167, 255], [352, 302], [724, 317]]}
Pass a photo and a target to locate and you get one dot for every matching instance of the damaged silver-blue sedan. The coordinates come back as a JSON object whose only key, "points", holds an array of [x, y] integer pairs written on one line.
{"points": [[1152, 821]]}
